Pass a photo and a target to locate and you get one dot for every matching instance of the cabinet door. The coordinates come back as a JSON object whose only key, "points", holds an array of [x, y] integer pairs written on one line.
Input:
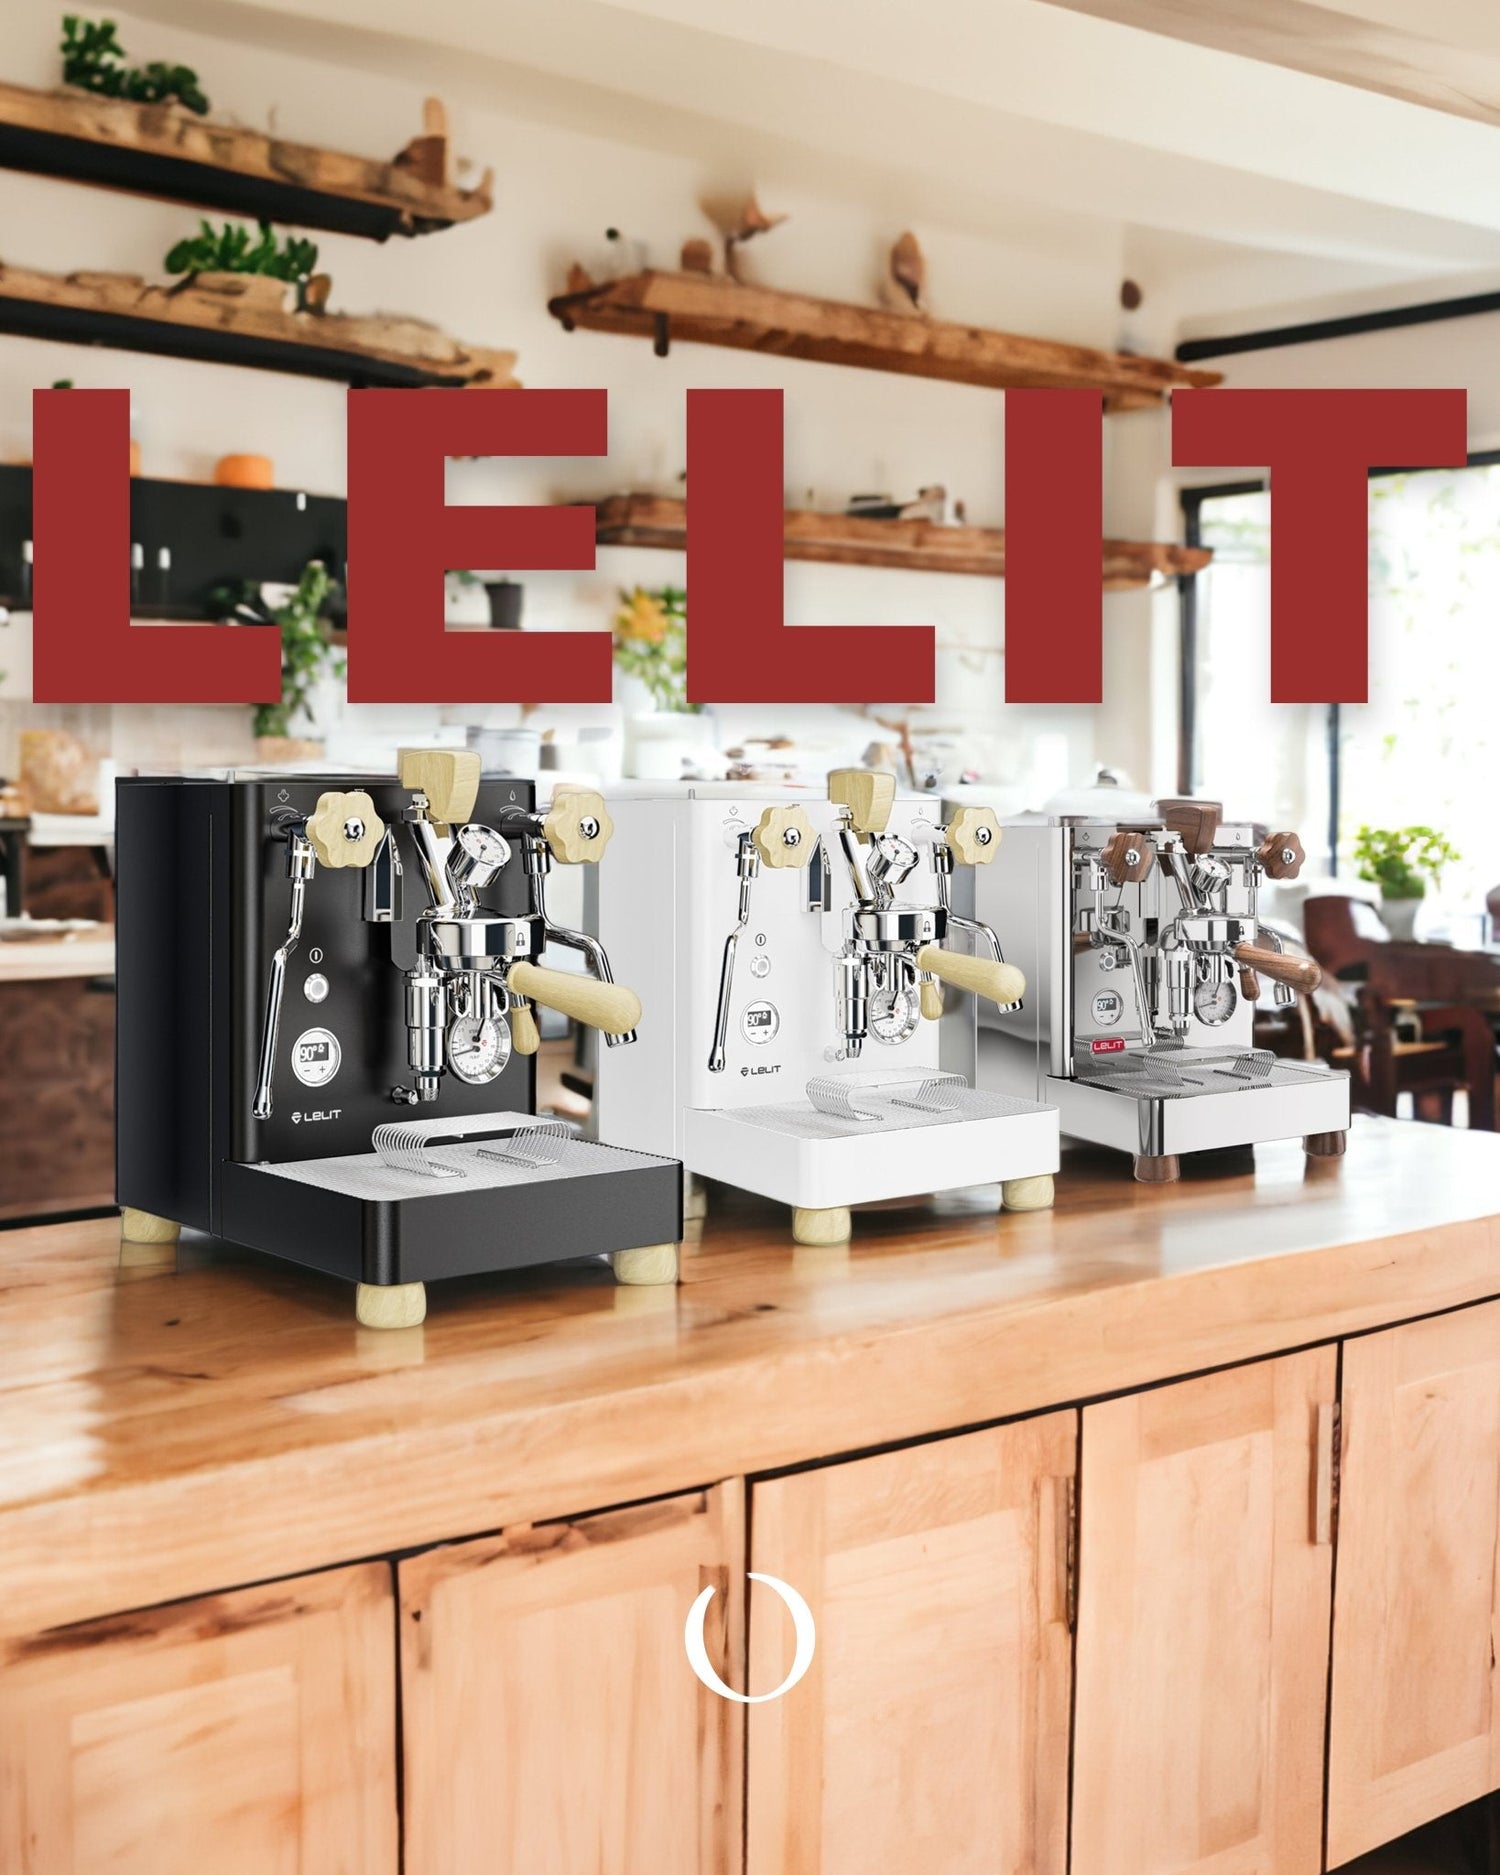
{"points": [[551, 1721], [1416, 1723], [1203, 1610], [931, 1730], [249, 1734]]}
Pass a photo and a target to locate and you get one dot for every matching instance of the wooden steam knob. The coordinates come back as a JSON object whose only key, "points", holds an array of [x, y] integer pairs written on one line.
{"points": [[784, 837], [448, 777], [607, 1006], [868, 793], [344, 829], [1127, 857], [974, 836], [1281, 856], [1002, 983], [578, 827]]}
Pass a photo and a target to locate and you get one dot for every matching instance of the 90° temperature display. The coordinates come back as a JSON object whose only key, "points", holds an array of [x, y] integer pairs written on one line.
{"points": [[315, 1057]]}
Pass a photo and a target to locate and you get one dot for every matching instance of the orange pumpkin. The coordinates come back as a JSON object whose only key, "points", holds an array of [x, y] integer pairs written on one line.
{"points": [[245, 472]]}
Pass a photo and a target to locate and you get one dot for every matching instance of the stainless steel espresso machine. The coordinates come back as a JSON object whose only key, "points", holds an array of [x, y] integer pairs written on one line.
{"points": [[1144, 954], [326, 1040]]}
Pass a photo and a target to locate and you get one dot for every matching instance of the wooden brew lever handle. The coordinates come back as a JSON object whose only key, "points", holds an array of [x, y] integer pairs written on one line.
{"points": [[344, 829], [448, 777], [578, 827], [1002, 983], [1300, 972], [868, 793], [607, 1006]]}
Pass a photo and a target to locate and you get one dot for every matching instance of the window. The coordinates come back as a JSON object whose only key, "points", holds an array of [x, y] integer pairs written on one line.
{"points": [[1424, 748]]}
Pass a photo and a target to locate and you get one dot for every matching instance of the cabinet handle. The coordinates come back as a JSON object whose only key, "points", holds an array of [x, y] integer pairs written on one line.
{"points": [[1326, 1473]]}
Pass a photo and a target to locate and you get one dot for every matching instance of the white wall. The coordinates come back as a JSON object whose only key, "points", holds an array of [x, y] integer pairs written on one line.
{"points": [[557, 190]]}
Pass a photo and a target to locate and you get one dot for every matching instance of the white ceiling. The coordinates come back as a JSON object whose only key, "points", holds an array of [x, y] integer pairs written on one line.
{"points": [[1253, 185]]}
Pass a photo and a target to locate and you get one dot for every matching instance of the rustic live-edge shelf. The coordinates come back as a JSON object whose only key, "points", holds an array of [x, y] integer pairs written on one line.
{"points": [[162, 150], [190, 321], [922, 546], [709, 310]]}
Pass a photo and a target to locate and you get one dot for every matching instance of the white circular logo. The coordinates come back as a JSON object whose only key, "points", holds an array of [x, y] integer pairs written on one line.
{"points": [[803, 1626], [315, 1057], [1108, 1007]]}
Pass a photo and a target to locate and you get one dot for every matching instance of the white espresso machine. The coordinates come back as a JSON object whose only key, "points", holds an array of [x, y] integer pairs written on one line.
{"points": [[804, 948]]}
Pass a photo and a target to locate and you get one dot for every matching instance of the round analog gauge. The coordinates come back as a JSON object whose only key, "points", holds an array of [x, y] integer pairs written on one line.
{"points": [[477, 1048], [483, 844], [894, 1015], [1214, 1002]]}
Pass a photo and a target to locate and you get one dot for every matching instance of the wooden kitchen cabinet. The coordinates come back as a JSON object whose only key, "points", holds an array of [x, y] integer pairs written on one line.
{"points": [[1203, 1611], [551, 1722], [931, 1729], [248, 1733], [1415, 1725]]}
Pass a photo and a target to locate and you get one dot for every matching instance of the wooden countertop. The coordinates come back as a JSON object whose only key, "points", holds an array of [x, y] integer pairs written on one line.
{"points": [[164, 1433], [85, 955]]}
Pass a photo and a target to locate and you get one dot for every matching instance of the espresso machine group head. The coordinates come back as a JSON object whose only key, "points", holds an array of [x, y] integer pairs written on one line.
{"points": [[809, 942], [1147, 951], [244, 899]]}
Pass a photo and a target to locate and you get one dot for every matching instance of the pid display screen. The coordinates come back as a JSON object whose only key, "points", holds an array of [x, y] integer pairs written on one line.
{"points": [[758, 1018], [310, 1053]]}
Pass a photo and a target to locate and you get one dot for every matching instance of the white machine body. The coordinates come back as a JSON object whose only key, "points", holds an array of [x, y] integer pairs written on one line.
{"points": [[790, 1114]]}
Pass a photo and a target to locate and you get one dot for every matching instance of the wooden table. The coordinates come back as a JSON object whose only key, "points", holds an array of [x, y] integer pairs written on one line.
{"points": [[235, 1405], [1062, 1491]]}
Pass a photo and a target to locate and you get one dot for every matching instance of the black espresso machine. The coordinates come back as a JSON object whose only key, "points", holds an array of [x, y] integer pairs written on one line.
{"points": [[326, 1043]]}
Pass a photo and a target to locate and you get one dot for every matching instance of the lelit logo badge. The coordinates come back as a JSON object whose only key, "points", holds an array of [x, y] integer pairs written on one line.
{"points": [[1108, 1045]]}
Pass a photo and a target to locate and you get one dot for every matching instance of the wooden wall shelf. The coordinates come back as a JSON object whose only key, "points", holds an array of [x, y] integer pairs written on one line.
{"points": [[230, 328], [851, 540], [708, 310], [162, 150]]}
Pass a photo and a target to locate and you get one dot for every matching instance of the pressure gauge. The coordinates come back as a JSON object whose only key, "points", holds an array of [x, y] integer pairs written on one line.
{"points": [[1215, 1000], [477, 1048], [484, 844], [894, 1015]]}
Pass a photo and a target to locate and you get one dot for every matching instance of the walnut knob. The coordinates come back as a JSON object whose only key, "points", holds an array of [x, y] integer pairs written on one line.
{"points": [[974, 836], [578, 826], [344, 829], [784, 837], [1281, 856], [1127, 857]]}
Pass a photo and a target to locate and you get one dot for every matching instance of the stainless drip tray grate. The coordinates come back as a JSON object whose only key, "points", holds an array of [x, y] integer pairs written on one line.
{"points": [[851, 1106], [1176, 1073]]}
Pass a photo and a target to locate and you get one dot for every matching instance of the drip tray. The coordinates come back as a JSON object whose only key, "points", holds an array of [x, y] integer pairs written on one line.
{"points": [[454, 1198], [861, 1138]]}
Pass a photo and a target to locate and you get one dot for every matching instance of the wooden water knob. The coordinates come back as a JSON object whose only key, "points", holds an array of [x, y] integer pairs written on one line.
{"points": [[868, 793], [578, 827], [344, 829], [932, 1001], [784, 837], [607, 1006], [1301, 973], [1127, 857], [448, 777], [1281, 856], [1002, 983], [525, 1038], [974, 836]]}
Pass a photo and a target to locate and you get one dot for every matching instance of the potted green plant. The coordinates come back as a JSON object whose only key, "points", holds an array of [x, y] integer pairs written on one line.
{"points": [[229, 260], [306, 657], [1401, 860], [665, 735], [94, 60]]}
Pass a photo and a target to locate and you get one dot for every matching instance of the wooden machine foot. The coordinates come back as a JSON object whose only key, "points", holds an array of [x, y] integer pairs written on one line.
{"points": [[1325, 1145], [146, 1227], [1157, 1169], [1027, 1194], [653, 1265], [390, 1305], [819, 1227]]}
